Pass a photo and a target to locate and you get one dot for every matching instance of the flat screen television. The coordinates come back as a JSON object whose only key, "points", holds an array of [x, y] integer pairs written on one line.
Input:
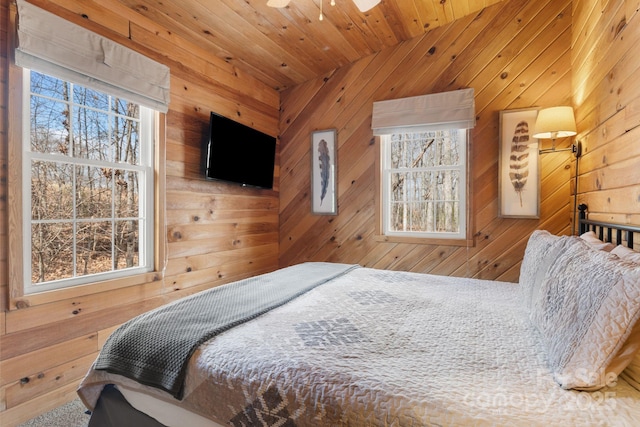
{"points": [[238, 153]]}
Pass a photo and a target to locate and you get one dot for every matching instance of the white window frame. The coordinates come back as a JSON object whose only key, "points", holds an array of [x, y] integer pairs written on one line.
{"points": [[385, 175], [51, 33], [146, 174]]}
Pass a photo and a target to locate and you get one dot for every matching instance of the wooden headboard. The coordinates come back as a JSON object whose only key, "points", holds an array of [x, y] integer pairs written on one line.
{"points": [[620, 234]]}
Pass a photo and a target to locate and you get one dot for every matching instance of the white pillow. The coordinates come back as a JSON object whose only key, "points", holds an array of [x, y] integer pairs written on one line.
{"points": [[626, 254], [593, 241], [632, 373], [541, 249], [586, 309]]}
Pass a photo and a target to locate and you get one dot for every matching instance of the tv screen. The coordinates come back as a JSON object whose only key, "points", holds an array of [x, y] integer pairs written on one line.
{"points": [[237, 153]]}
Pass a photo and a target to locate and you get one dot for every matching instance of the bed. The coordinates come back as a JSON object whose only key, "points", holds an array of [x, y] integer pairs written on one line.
{"points": [[326, 344]]}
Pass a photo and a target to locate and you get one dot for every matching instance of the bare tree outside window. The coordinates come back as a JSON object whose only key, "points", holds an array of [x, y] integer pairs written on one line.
{"points": [[425, 182], [86, 176]]}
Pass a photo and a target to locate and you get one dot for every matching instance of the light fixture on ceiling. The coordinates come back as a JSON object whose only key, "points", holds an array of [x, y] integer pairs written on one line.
{"points": [[363, 5]]}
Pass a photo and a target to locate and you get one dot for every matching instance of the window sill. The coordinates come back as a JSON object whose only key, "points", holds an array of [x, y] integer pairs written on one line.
{"points": [[424, 241], [46, 297]]}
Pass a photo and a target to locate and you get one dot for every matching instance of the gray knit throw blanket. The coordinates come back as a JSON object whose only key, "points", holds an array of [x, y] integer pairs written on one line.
{"points": [[154, 348]]}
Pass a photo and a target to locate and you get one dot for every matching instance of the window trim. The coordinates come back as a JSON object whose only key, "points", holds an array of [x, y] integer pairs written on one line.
{"points": [[17, 298], [379, 236], [146, 120], [386, 193]]}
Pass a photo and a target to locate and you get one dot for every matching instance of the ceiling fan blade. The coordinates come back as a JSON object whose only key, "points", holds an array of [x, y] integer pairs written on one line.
{"points": [[277, 3], [365, 5]]}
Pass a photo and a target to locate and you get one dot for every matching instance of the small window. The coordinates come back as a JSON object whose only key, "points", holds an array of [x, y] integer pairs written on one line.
{"points": [[88, 181], [424, 178]]}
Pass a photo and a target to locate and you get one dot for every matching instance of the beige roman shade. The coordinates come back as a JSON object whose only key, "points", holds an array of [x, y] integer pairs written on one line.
{"points": [[438, 111], [52, 45]]}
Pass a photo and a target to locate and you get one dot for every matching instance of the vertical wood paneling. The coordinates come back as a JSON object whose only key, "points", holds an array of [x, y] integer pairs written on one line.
{"points": [[214, 233], [606, 96], [515, 55], [4, 93]]}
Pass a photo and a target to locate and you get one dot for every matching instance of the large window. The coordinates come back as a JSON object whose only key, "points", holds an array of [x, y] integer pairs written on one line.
{"points": [[423, 166], [85, 181], [88, 170], [424, 184]]}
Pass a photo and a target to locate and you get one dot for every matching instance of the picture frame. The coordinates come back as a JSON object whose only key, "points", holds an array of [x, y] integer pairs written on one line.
{"points": [[518, 164], [323, 172]]}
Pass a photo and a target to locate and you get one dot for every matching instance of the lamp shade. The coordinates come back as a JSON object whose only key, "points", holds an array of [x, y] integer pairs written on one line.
{"points": [[555, 122]]}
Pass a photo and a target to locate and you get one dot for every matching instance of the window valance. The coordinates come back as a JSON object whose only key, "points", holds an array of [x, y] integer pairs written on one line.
{"points": [[438, 111], [53, 45]]}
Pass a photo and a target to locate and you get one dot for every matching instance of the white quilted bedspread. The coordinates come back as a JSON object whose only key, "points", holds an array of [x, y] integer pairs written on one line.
{"points": [[382, 348]]}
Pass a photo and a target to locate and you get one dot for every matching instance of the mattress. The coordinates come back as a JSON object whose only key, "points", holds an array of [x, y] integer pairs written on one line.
{"points": [[375, 347]]}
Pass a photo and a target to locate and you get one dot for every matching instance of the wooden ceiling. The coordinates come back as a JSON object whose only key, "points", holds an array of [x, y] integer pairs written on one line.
{"points": [[288, 46]]}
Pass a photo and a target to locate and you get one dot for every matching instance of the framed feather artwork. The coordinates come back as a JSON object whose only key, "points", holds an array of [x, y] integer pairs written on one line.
{"points": [[519, 170], [323, 172]]}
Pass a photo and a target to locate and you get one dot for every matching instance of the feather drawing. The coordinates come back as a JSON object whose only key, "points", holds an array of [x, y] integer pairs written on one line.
{"points": [[519, 158], [324, 159]]}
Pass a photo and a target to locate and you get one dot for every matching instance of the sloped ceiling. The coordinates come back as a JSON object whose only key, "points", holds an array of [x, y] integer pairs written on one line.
{"points": [[285, 47]]}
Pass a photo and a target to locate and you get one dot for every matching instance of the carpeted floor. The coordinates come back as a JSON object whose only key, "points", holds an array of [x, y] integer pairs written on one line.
{"points": [[72, 414]]}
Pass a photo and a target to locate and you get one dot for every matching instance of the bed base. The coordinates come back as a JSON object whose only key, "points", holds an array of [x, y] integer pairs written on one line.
{"points": [[113, 410]]}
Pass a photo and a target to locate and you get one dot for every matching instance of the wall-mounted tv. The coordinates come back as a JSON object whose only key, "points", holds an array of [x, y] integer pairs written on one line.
{"points": [[239, 154]]}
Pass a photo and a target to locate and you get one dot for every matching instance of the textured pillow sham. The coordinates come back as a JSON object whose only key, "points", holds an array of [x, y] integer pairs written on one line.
{"points": [[626, 254], [585, 311], [632, 373], [542, 248], [593, 241]]}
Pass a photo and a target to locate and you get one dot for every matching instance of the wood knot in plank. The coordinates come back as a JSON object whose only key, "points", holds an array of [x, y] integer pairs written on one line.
{"points": [[621, 26], [20, 304]]}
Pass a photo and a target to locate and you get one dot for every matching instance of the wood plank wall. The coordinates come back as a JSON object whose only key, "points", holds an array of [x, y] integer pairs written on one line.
{"points": [[515, 54], [605, 66], [4, 90], [215, 233]]}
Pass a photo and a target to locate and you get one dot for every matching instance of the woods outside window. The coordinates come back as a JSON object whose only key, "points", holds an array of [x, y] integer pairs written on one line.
{"points": [[86, 144], [424, 184], [88, 166], [423, 166]]}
